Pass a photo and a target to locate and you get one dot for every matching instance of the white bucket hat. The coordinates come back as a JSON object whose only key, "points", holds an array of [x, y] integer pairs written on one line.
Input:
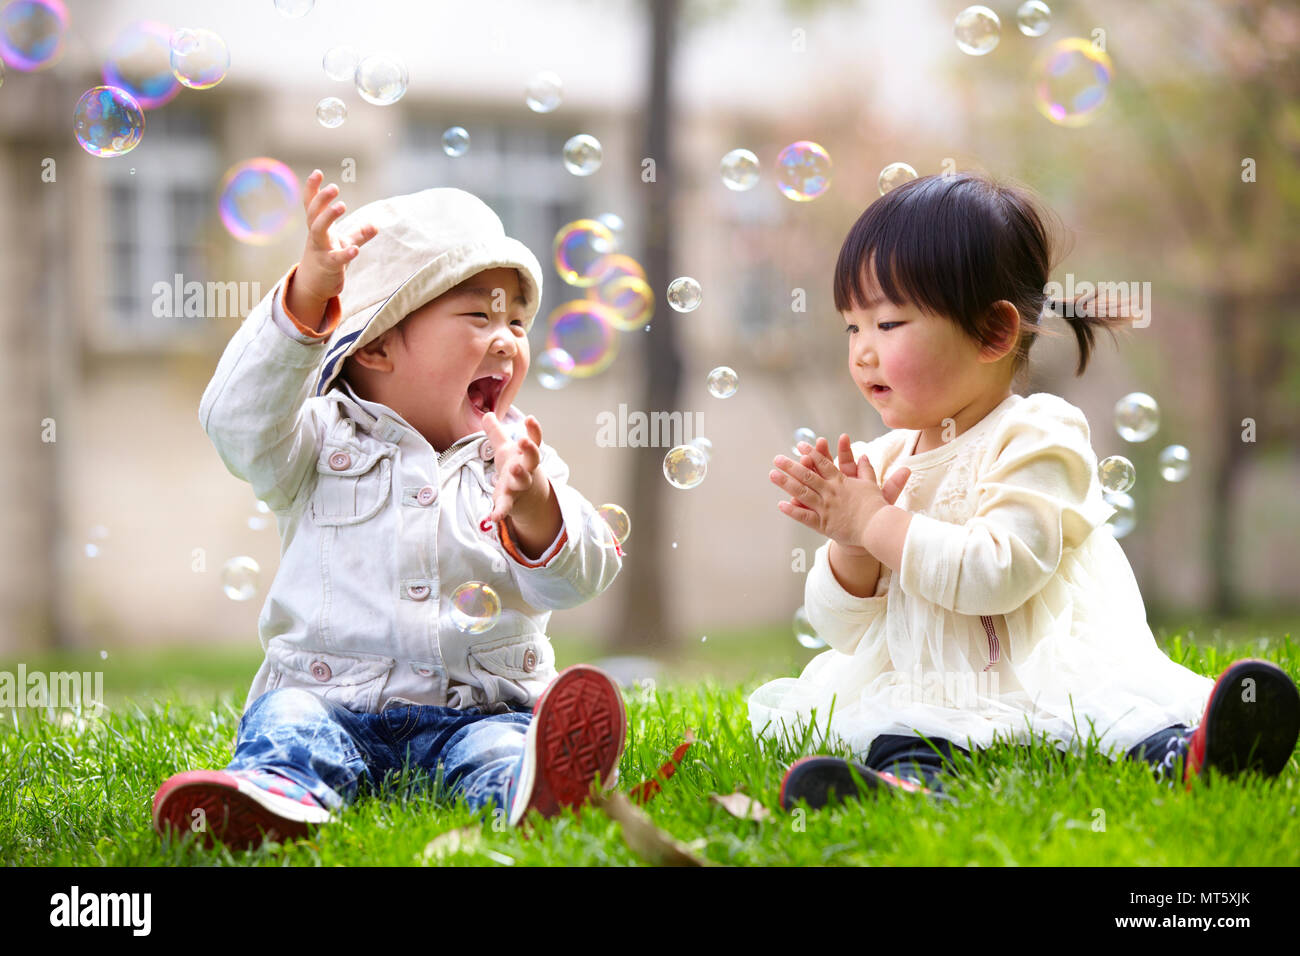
{"points": [[428, 242]]}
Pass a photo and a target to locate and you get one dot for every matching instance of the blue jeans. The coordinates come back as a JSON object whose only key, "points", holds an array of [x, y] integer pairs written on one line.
{"points": [[335, 753]]}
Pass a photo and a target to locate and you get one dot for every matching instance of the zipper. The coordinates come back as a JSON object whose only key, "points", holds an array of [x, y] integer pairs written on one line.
{"points": [[995, 648]]}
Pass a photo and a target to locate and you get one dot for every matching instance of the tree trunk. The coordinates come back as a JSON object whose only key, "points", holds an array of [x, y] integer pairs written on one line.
{"points": [[646, 625]]}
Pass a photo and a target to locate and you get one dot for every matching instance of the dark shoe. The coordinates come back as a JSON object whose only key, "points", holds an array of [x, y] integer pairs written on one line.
{"points": [[820, 781], [1236, 735]]}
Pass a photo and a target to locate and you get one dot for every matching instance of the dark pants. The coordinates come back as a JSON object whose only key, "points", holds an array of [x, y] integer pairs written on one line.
{"points": [[912, 758]]}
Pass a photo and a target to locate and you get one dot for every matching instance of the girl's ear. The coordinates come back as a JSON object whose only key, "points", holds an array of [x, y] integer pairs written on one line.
{"points": [[1004, 328]]}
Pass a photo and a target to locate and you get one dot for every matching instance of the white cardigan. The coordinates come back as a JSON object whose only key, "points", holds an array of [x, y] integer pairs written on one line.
{"points": [[1015, 613]]}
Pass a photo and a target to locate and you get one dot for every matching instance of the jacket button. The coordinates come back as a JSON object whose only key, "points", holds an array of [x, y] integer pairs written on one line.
{"points": [[530, 660], [425, 495], [320, 670], [425, 672], [340, 460], [485, 450], [418, 592]]}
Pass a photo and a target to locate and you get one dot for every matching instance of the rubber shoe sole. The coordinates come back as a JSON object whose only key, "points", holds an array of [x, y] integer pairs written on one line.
{"points": [[236, 811], [820, 781], [576, 736], [1236, 735]]}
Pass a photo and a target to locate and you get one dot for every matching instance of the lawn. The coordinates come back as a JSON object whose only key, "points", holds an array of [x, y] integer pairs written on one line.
{"points": [[78, 791]]}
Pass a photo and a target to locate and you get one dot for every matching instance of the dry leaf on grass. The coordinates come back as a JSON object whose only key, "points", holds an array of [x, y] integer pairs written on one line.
{"points": [[742, 806], [641, 835]]}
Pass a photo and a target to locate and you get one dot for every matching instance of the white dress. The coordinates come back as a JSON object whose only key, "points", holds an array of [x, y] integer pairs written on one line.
{"points": [[1015, 613]]}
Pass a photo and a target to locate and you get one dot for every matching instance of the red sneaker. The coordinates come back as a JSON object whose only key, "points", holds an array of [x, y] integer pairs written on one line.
{"points": [[240, 808], [1246, 727], [577, 733]]}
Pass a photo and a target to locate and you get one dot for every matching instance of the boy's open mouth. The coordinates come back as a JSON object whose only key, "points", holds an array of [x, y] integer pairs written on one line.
{"points": [[484, 392]]}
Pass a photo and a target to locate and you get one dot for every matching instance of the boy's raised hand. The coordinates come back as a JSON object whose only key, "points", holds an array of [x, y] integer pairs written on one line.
{"points": [[516, 463], [324, 258]]}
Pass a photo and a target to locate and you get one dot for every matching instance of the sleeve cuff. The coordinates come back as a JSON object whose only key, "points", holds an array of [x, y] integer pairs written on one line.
{"points": [[333, 311], [546, 557], [830, 594]]}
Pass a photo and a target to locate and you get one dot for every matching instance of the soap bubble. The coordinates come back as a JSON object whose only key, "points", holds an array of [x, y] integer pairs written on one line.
{"points": [[32, 33], [107, 121], [239, 578], [723, 381], [614, 223], [1116, 473], [685, 466], [977, 30], [804, 632], [544, 92], [1137, 417], [586, 330], [293, 9], [740, 170], [617, 520], [582, 155], [578, 248], [803, 171], [199, 58], [331, 112], [631, 301], [381, 78], [893, 176], [455, 141], [140, 62], [1072, 80], [1124, 519], [1034, 18], [340, 63], [684, 294], [804, 434], [554, 369], [1174, 462], [704, 445], [259, 197], [475, 607]]}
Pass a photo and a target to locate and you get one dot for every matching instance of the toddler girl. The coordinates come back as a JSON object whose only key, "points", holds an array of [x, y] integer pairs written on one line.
{"points": [[968, 590]]}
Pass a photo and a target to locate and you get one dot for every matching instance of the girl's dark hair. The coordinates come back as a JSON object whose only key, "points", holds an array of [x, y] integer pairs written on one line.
{"points": [[953, 245]]}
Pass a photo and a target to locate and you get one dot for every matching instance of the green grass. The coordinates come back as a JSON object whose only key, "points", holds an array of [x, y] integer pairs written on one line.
{"points": [[78, 792]]}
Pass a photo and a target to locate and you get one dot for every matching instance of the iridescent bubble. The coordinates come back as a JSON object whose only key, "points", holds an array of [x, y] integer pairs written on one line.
{"points": [[544, 92], [293, 9], [259, 197], [630, 299], [239, 578], [1116, 473], [723, 381], [1072, 80], [704, 445], [1125, 517], [554, 369], [199, 58], [475, 607], [577, 248], [804, 434], [619, 523], [582, 155], [685, 466], [107, 121], [614, 223], [740, 170], [1034, 18], [893, 176], [685, 294], [381, 78], [140, 62], [1174, 463], [455, 141], [804, 632], [340, 63], [803, 171], [1137, 417], [331, 112], [586, 330], [977, 30], [32, 33]]}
